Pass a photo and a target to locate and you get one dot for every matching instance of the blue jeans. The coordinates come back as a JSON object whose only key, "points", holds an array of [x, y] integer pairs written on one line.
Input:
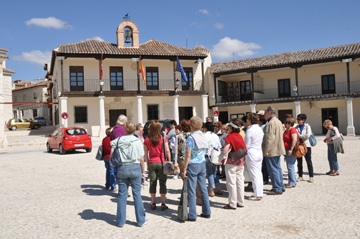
{"points": [[110, 176], [196, 173], [290, 164], [130, 174], [332, 157], [275, 173], [213, 179]]}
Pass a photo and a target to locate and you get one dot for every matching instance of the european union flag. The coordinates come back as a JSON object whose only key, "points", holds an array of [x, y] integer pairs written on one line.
{"points": [[181, 69]]}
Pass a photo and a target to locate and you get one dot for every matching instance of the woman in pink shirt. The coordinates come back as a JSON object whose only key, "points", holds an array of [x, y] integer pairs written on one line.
{"points": [[154, 156]]}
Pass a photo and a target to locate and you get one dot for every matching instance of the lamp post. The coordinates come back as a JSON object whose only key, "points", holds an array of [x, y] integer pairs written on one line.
{"points": [[177, 84], [101, 82]]}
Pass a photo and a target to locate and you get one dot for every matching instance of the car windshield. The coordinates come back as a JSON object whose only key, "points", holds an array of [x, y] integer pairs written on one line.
{"points": [[75, 131]]}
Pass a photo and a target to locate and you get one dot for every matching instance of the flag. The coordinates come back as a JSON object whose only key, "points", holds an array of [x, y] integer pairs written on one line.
{"points": [[101, 68], [142, 71], [181, 69]]}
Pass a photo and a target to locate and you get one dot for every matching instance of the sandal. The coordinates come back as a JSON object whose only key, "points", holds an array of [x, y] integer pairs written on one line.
{"points": [[153, 206], [253, 198], [164, 207], [227, 206]]}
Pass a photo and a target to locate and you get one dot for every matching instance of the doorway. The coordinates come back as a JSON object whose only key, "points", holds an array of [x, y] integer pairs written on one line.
{"points": [[282, 114], [331, 114], [223, 117], [185, 113], [114, 115]]}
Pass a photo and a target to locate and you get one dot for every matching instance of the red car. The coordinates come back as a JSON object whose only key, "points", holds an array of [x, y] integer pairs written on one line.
{"points": [[69, 139]]}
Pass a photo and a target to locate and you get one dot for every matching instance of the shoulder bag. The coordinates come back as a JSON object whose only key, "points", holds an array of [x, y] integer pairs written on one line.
{"points": [[237, 155], [312, 139], [99, 153], [299, 150], [215, 156], [115, 159], [168, 167]]}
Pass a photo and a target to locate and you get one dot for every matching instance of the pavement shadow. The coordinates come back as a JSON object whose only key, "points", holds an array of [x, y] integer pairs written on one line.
{"points": [[89, 214], [96, 190]]}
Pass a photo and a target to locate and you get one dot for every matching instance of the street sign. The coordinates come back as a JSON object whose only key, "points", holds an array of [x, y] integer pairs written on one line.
{"points": [[64, 115], [216, 113]]}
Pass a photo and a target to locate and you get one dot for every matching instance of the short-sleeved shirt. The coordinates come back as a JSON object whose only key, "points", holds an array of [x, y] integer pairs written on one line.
{"points": [[156, 153], [197, 155], [287, 137]]}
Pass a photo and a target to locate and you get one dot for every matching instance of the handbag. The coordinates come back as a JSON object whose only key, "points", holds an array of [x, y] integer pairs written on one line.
{"points": [[299, 150], [238, 155], [312, 140], [115, 159], [215, 156], [99, 153], [183, 204], [168, 167]]}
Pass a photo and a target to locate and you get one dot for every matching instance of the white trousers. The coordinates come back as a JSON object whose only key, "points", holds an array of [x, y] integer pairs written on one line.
{"points": [[253, 164], [235, 184]]}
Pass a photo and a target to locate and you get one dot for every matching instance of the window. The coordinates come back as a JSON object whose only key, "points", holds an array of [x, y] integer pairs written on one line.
{"points": [[284, 88], [328, 84], [152, 78], [81, 114], [116, 78], [222, 88], [76, 78], [187, 85], [245, 90], [35, 96], [153, 112]]}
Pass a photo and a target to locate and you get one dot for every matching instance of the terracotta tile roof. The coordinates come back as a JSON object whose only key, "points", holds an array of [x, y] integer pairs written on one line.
{"points": [[149, 48], [288, 58]]}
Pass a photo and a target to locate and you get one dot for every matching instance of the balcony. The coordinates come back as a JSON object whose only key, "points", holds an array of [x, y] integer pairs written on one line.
{"points": [[307, 90]]}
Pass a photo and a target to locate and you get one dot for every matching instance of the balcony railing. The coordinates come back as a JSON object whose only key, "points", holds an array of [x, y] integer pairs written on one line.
{"points": [[92, 85], [307, 90]]}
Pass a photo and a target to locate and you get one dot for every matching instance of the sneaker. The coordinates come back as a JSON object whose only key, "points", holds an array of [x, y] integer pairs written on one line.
{"points": [[311, 180], [299, 179], [146, 222]]}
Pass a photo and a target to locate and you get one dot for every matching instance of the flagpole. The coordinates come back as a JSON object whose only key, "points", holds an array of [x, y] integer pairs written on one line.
{"points": [[138, 77]]}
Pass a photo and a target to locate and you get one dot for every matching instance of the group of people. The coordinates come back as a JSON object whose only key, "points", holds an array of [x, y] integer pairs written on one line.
{"points": [[189, 146]]}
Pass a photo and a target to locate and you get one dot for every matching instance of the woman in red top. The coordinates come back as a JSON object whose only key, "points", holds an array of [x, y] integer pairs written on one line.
{"points": [[110, 178], [290, 138], [234, 170], [154, 156]]}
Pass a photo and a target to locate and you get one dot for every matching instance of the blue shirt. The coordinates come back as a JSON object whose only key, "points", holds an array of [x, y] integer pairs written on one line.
{"points": [[197, 156]]}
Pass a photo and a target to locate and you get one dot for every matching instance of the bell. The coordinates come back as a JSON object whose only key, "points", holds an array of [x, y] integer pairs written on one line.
{"points": [[127, 36]]}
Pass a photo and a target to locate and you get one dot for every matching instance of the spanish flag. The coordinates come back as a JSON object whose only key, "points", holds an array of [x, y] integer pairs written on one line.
{"points": [[142, 71]]}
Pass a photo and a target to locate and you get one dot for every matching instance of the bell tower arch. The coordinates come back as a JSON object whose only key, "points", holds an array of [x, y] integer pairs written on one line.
{"points": [[127, 31]]}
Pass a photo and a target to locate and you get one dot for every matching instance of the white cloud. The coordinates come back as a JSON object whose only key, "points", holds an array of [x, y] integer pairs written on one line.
{"points": [[36, 56], [50, 22], [97, 38], [227, 48], [204, 11], [219, 25]]}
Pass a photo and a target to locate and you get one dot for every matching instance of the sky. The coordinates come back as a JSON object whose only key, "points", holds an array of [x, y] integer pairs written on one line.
{"points": [[230, 29]]}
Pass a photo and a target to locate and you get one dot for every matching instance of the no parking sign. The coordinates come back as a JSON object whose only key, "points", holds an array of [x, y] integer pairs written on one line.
{"points": [[216, 113], [64, 115]]}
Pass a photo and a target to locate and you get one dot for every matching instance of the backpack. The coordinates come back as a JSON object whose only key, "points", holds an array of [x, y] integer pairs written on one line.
{"points": [[115, 159]]}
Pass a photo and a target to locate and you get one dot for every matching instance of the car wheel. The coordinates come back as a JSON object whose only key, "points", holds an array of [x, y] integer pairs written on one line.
{"points": [[13, 127], [88, 150], [48, 148], [61, 149]]}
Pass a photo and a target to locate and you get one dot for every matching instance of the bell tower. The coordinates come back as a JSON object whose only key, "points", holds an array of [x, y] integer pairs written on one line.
{"points": [[127, 34]]}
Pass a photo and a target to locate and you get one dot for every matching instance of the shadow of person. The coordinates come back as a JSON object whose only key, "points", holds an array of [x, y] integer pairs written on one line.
{"points": [[89, 214], [96, 190]]}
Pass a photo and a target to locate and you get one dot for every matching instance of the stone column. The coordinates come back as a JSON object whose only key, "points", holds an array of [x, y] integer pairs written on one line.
{"points": [[205, 104], [139, 109], [253, 108], [176, 108], [102, 116], [63, 108], [297, 108], [350, 130]]}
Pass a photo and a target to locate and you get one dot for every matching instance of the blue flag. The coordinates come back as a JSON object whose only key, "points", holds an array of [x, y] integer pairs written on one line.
{"points": [[181, 69]]}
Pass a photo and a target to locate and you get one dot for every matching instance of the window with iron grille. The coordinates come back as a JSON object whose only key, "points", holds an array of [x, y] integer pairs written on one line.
{"points": [[328, 84], [153, 112], [222, 88], [116, 78], [152, 78], [284, 88], [81, 115], [187, 85], [76, 78]]}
